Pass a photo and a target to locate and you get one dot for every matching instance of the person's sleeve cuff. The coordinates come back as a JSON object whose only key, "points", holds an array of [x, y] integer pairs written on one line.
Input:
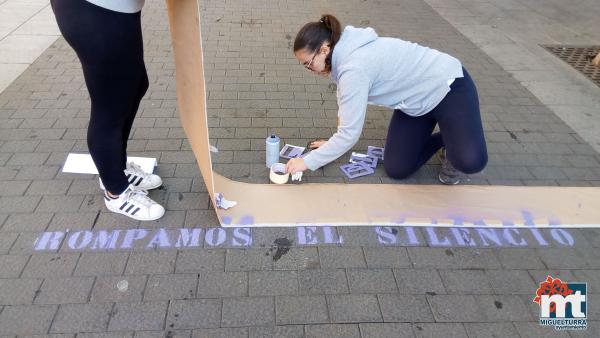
{"points": [[310, 162]]}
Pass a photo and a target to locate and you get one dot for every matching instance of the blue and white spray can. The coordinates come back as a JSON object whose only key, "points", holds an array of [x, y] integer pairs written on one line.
{"points": [[272, 152]]}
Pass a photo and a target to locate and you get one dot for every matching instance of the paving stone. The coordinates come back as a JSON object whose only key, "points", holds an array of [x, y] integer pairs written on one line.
{"points": [[51, 265], [98, 264], [404, 308], [212, 284], [248, 311], [8, 173], [26, 319], [353, 308], [106, 290], [371, 281], [372, 330], [50, 187], [14, 188], [6, 242], [534, 329], [59, 203], [342, 257], [201, 260], [84, 187], [192, 314], [286, 331], [28, 158], [294, 258], [19, 204], [19, 146], [419, 281], [439, 330], [186, 201], [387, 257], [444, 308], [504, 308], [160, 334], [591, 331], [569, 258], [322, 281], [483, 330], [176, 286], [160, 262], [78, 318], [65, 290], [27, 222], [273, 283], [511, 281], [247, 260], [45, 172], [138, 316], [72, 221], [519, 259], [301, 310], [221, 333], [18, 291], [201, 218], [466, 281], [332, 330], [452, 258], [11, 266]]}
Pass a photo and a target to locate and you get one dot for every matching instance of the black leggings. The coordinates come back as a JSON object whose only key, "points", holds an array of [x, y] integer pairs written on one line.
{"points": [[110, 47], [410, 142]]}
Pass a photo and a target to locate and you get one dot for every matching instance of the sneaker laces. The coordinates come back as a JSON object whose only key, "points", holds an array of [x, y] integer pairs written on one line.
{"points": [[138, 170], [447, 167], [138, 196]]}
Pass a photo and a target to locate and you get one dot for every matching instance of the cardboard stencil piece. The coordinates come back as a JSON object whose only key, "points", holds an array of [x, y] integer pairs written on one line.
{"points": [[357, 204]]}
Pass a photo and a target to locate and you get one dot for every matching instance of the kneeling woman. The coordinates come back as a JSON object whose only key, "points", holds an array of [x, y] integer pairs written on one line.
{"points": [[423, 86]]}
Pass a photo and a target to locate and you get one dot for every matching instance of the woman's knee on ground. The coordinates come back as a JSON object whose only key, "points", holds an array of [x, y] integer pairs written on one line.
{"points": [[470, 163], [398, 172]]}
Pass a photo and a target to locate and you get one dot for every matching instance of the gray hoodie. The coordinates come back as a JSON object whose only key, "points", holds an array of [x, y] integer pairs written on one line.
{"points": [[382, 71]]}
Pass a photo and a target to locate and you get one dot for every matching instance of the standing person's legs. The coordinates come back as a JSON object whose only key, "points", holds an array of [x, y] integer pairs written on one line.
{"points": [[461, 128], [109, 47], [141, 91], [409, 144]]}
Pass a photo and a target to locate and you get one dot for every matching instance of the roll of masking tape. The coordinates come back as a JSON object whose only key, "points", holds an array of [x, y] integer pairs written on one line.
{"points": [[278, 174]]}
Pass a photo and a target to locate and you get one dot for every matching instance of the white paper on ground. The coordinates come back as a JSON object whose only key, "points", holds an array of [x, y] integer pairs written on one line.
{"points": [[83, 164]]}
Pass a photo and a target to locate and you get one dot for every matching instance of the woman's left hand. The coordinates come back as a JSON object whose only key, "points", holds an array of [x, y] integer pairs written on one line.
{"points": [[295, 165]]}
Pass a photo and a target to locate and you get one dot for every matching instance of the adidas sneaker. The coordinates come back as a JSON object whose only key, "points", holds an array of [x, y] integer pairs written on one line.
{"points": [[135, 203], [137, 177]]}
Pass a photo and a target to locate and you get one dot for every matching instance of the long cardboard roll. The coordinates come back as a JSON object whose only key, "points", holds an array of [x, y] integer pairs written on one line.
{"points": [[357, 204]]}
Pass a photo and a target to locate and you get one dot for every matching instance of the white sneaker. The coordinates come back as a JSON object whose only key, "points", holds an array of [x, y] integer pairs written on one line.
{"points": [[448, 174], [139, 178], [136, 204]]}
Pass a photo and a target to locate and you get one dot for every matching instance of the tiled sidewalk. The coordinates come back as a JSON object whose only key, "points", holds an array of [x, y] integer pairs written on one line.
{"points": [[27, 28], [327, 282]]}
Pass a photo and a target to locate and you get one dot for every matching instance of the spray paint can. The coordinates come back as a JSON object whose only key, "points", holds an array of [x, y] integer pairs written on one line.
{"points": [[272, 153]]}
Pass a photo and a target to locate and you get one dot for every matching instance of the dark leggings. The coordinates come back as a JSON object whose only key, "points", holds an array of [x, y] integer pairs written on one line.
{"points": [[410, 142], [110, 47]]}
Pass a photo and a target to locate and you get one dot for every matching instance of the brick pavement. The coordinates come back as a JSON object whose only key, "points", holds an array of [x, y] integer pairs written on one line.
{"points": [[344, 282]]}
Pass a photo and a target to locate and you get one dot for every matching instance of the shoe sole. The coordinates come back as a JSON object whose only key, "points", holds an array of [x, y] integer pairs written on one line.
{"points": [[120, 212], [448, 183]]}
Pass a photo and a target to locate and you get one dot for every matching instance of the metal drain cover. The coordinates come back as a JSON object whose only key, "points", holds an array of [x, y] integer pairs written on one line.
{"points": [[580, 58]]}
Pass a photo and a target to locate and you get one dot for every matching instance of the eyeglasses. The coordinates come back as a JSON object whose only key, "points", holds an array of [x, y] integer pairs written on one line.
{"points": [[307, 65]]}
